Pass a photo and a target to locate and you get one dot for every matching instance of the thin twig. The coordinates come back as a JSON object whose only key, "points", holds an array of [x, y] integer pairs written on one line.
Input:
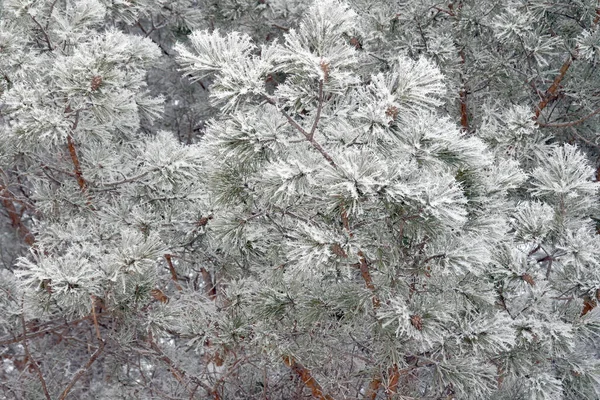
{"points": [[287, 116], [551, 92], [82, 370], [569, 124], [306, 134], [127, 180], [578, 136], [95, 319], [450, 13], [43, 32], [44, 331], [59, 170], [77, 166], [177, 372], [50, 13], [503, 303], [283, 28], [231, 369], [311, 134], [28, 356]]}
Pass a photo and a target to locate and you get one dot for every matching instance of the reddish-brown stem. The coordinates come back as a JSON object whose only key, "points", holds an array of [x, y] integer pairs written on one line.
{"points": [[83, 185], [551, 92], [464, 119], [7, 199], [366, 275], [209, 287], [76, 165], [307, 378], [464, 112], [173, 272], [346, 222]]}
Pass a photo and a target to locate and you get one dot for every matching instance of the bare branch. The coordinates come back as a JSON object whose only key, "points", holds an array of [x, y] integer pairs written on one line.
{"points": [[127, 180], [36, 333], [569, 124], [306, 134], [178, 373], [46, 37], [32, 362], [82, 370]]}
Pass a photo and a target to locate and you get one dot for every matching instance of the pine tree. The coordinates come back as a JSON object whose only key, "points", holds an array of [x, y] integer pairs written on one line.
{"points": [[356, 200]]}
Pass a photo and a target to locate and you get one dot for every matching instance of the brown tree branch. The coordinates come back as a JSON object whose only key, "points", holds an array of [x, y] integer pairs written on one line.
{"points": [[93, 358], [306, 377], [550, 93], [366, 275], [83, 184], [8, 199], [462, 98], [173, 272], [77, 166], [464, 116]]}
